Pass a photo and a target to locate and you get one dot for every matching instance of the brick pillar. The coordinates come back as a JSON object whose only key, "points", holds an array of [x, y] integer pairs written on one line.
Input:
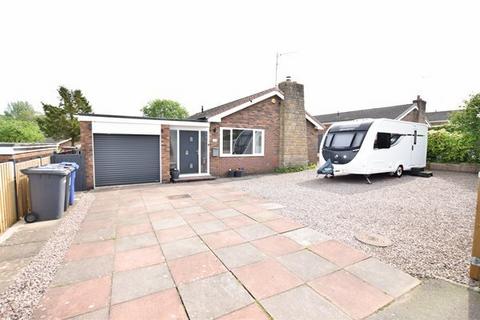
{"points": [[165, 145], [293, 129], [86, 138], [422, 106]]}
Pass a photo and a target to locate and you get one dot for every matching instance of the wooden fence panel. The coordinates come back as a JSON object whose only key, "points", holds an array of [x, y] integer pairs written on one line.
{"points": [[45, 160], [23, 193], [8, 213]]}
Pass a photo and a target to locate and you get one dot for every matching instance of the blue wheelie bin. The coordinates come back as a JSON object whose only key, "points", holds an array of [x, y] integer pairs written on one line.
{"points": [[73, 175]]}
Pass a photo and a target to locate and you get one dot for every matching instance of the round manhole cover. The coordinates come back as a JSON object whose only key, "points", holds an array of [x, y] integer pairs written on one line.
{"points": [[373, 239]]}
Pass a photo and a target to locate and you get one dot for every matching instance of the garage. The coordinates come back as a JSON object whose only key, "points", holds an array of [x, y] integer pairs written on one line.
{"points": [[126, 159]]}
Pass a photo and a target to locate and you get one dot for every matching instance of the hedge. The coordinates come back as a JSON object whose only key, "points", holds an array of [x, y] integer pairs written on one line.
{"points": [[450, 147]]}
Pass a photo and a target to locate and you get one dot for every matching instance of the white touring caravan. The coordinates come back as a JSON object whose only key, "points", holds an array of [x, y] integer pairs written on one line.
{"points": [[370, 146]]}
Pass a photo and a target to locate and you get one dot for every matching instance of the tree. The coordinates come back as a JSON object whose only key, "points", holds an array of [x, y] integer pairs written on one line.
{"points": [[161, 108], [20, 110], [12, 130], [59, 121], [467, 121]]}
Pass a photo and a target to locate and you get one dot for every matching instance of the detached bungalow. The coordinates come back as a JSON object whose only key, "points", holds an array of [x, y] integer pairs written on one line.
{"points": [[259, 133]]}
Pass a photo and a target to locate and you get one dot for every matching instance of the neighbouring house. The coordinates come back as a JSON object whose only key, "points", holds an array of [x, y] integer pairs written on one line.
{"points": [[439, 118], [258, 133], [415, 112]]}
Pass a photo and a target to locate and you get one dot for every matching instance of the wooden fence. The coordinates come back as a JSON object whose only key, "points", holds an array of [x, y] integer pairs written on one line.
{"points": [[12, 209], [8, 212]]}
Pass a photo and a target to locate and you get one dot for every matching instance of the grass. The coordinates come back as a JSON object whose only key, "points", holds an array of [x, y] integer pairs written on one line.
{"points": [[310, 166]]}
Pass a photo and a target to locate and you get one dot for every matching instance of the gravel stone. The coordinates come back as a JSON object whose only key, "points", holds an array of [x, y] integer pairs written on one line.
{"points": [[429, 220], [20, 298]]}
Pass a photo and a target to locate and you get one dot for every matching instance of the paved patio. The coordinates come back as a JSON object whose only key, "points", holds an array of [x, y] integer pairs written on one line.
{"points": [[207, 251]]}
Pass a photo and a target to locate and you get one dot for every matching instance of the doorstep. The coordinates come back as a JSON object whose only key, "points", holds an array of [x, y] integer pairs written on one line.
{"points": [[194, 178]]}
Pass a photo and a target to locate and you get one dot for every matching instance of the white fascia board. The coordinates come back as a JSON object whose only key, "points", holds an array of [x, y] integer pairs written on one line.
{"points": [[125, 128], [6, 151], [121, 120], [218, 117], [315, 123], [428, 123], [404, 114]]}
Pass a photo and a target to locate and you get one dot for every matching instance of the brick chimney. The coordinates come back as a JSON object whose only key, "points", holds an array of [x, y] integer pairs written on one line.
{"points": [[293, 129], [422, 106]]}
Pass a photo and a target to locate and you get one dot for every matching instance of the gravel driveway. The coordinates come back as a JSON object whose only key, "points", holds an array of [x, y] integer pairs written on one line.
{"points": [[429, 220]]}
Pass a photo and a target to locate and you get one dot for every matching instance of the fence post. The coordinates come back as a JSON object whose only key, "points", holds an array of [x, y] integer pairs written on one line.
{"points": [[475, 263]]}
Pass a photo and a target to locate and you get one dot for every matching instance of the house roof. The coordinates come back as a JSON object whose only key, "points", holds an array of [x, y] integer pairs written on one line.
{"points": [[229, 105], [392, 112], [439, 115], [215, 114]]}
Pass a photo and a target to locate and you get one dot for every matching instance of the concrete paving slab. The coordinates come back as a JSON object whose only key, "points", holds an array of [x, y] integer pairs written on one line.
{"points": [[27, 235], [433, 299], [353, 296], [213, 297], [240, 255], [165, 304], [208, 227], [195, 267], [276, 245], [131, 284], [168, 223], [73, 300], [222, 239], [19, 251], [136, 242], [225, 213], [81, 270], [255, 231], [251, 312], [307, 265], [338, 252], [182, 248], [383, 276], [301, 303], [266, 278], [101, 314], [306, 236], [95, 235]]}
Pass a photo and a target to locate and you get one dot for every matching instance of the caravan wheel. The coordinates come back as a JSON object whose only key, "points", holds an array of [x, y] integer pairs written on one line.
{"points": [[399, 172]]}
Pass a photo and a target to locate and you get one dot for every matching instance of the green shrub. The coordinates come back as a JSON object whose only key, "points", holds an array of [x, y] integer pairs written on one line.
{"points": [[310, 166], [19, 131], [452, 147]]}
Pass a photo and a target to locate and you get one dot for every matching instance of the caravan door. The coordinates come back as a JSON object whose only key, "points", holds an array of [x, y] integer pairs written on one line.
{"points": [[419, 146]]}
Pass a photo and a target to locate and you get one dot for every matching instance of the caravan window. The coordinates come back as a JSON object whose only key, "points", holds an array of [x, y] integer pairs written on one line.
{"points": [[342, 140], [328, 140], [394, 138], [383, 140], [357, 141]]}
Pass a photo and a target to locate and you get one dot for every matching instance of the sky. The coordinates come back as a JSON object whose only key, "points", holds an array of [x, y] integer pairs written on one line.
{"points": [[348, 54]]}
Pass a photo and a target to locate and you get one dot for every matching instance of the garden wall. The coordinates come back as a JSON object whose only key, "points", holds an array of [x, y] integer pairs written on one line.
{"points": [[457, 167]]}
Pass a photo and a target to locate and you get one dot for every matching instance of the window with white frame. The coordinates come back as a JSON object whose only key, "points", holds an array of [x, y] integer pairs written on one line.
{"points": [[242, 142]]}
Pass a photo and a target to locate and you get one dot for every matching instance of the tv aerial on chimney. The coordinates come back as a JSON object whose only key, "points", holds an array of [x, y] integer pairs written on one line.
{"points": [[276, 63]]}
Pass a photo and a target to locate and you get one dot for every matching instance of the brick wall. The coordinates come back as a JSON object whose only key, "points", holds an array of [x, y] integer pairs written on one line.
{"points": [[293, 132], [313, 135], [262, 115], [86, 141], [165, 143]]}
